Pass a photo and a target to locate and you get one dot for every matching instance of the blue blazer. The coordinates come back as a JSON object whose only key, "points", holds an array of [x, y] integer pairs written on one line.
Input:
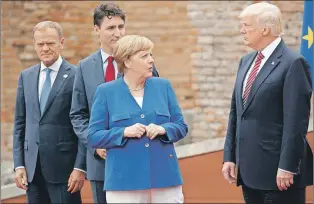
{"points": [[88, 76], [132, 163]]}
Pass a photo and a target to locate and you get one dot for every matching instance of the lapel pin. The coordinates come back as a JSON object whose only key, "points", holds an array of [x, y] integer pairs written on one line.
{"points": [[272, 63], [65, 76]]}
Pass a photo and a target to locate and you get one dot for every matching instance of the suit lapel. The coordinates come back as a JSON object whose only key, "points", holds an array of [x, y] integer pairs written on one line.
{"points": [[149, 95], [98, 69], [241, 77], [271, 63], [125, 92], [34, 89], [98, 72], [62, 75]]}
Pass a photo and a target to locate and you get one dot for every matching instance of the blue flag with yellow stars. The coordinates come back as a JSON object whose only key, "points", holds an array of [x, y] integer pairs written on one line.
{"points": [[307, 34]]}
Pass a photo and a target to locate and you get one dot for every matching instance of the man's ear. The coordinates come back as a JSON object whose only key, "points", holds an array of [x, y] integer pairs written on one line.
{"points": [[96, 30], [62, 42], [266, 30]]}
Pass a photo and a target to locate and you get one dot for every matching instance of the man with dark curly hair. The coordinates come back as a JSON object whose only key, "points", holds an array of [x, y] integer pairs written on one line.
{"points": [[98, 68]]}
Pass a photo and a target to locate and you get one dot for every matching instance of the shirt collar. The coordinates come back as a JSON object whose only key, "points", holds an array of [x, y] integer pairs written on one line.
{"points": [[267, 51], [104, 55], [55, 66]]}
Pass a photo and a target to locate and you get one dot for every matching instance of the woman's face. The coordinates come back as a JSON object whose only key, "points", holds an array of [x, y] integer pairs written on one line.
{"points": [[141, 64]]}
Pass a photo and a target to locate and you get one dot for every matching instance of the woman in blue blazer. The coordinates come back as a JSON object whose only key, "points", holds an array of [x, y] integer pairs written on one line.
{"points": [[137, 118]]}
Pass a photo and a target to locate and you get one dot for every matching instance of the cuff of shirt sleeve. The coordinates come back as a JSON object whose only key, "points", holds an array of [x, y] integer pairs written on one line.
{"points": [[80, 170], [20, 167], [287, 171]]}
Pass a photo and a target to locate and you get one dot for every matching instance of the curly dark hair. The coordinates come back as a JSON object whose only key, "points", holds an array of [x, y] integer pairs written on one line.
{"points": [[107, 10]]}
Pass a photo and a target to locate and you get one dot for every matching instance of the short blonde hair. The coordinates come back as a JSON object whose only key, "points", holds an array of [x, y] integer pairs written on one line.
{"points": [[265, 14], [129, 45], [48, 24]]}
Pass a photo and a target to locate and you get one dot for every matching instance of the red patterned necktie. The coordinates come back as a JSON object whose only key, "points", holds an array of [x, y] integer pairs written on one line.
{"points": [[110, 72], [252, 77]]}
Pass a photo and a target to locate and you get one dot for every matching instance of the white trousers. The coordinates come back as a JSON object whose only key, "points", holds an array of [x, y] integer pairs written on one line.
{"points": [[155, 195]]}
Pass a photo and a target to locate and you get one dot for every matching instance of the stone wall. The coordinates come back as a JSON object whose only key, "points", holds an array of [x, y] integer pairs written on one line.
{"points": [[197, 47], [216, 62]]}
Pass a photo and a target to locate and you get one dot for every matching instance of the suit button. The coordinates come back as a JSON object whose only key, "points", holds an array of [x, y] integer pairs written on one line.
{"points": [[146, 145], [170, 155], [142, 116], [242, 118]]}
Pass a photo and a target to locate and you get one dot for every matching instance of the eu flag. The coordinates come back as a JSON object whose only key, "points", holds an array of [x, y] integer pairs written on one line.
{"points": [[307, 34]]}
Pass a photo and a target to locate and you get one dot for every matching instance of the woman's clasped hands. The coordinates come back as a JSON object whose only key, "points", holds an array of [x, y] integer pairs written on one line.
{"points": [[138, 130]]}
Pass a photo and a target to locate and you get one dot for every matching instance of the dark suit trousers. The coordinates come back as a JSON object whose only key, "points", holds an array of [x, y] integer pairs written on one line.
{"points": [[290, 196], [41, 191], [99, 195]]}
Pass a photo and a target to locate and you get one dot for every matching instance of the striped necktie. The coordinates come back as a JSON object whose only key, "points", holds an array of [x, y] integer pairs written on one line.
{"points": [[252, 77]]}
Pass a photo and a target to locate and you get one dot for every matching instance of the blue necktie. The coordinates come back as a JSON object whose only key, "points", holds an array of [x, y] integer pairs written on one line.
{"points": [[45, 91]]}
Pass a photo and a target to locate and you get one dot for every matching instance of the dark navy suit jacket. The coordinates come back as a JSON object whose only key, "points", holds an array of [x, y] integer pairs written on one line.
{"points": [[270, 131], [51, 134]]}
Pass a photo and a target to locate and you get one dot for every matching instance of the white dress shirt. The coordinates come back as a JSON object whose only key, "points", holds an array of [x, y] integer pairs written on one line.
{"points": [[267, 51], [104, 57], [42, 77]]}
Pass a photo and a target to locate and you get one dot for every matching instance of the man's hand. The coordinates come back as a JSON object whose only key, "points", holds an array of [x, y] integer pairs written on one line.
{"points": [[101, 153], [284, 180], [21, 178], [76, 181], [228, 171]]}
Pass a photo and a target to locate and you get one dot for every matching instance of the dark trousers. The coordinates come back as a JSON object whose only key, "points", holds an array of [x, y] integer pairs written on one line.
{"points": [[290, 196], [99, 195], [41, 191]]}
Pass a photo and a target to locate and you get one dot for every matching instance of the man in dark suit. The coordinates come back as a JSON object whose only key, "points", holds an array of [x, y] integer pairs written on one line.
{"points": [[96, 69], [49, 160], [266, 150]]}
